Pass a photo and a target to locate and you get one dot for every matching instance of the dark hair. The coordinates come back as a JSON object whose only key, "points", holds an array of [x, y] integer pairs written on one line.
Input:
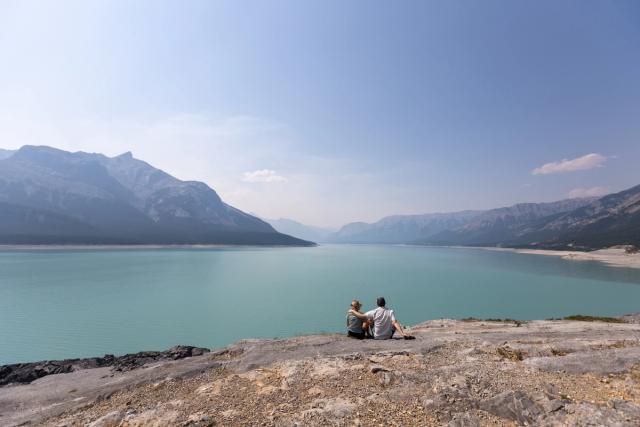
{"points": [[381, 302]]}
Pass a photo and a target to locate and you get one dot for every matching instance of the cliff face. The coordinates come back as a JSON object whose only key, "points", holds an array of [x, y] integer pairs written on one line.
{"points": [[456, 373], [611, 220], [503, 226]]}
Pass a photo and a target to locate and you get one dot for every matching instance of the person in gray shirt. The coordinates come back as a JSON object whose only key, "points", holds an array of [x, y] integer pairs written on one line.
{"points": [[356, 325]]}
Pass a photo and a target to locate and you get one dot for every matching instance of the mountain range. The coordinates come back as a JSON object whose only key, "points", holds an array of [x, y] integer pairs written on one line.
{"points": [[585, 223], [502, 226], [50, 196], [401, 228]]}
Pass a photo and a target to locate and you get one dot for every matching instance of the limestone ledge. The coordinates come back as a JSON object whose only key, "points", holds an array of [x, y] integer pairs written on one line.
{"points": [[456, 373]]}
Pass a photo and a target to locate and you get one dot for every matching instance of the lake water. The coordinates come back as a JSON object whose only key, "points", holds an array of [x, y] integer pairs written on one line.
{"points": [[63, 304]]}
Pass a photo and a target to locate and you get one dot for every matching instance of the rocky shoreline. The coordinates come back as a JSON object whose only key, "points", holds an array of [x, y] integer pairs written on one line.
{"points": [[24, 373], [456, 373]]}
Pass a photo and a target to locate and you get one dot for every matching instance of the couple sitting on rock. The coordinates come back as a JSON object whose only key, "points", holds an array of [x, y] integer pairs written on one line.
{"points": [[379, 324]]}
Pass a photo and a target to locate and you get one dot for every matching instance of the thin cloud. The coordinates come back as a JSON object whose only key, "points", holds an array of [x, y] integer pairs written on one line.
{"points": [[587, 192], [588, 161], [263, 175]]}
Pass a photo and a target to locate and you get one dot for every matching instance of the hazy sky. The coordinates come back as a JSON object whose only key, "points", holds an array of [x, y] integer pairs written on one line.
{"points": [[332, 111]]}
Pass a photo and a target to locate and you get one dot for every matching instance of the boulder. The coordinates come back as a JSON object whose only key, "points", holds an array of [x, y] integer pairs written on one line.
{"points": [[28, 372]]}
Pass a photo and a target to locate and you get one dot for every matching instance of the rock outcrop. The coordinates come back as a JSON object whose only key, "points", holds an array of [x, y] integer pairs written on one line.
{"points": [[28, 372], [456, 373]]}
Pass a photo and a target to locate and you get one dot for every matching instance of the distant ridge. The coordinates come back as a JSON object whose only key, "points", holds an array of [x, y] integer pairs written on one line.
{"points": [[584, 224], [401, 228], [51, 196], [302, 231], [608, 221], [502, 226], [4, 154]]}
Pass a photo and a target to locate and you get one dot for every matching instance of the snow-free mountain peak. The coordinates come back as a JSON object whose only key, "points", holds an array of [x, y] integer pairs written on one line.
{"points": [[54, 196]]}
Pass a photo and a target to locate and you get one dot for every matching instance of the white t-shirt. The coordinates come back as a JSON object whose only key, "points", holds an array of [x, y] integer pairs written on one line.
{"points": [[382, 326]]}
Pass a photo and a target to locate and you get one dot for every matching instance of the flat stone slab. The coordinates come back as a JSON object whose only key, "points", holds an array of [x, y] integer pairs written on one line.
{"points": [[600, 362], [453, 369]]}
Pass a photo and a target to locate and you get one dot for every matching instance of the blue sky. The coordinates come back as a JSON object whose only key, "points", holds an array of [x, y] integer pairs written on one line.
{"points": [[329, 112]]}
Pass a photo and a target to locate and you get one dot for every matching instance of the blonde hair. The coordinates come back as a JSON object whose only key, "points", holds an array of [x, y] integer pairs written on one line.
{"points": [[356, 304]]}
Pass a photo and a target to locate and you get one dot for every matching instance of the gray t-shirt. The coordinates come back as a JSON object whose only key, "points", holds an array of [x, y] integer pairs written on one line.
{"points": [[354, 324], [382, 322]]}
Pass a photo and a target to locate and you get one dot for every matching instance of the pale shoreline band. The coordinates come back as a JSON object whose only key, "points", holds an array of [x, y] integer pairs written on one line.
{"points": [[615, 257]]}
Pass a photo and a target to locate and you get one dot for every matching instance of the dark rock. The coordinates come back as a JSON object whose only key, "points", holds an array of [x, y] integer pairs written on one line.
{"points": [[28, 372], [182, 351]]}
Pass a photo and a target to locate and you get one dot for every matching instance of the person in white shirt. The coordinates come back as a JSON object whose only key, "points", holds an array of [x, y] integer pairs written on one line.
{"points": [[384, 323]]}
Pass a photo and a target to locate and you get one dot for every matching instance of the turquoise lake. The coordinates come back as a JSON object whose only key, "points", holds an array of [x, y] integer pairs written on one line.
{"points": [[64, 303]]}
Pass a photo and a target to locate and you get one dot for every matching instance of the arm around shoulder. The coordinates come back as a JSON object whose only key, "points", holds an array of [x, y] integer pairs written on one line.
{"points": [[358, 314]]}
